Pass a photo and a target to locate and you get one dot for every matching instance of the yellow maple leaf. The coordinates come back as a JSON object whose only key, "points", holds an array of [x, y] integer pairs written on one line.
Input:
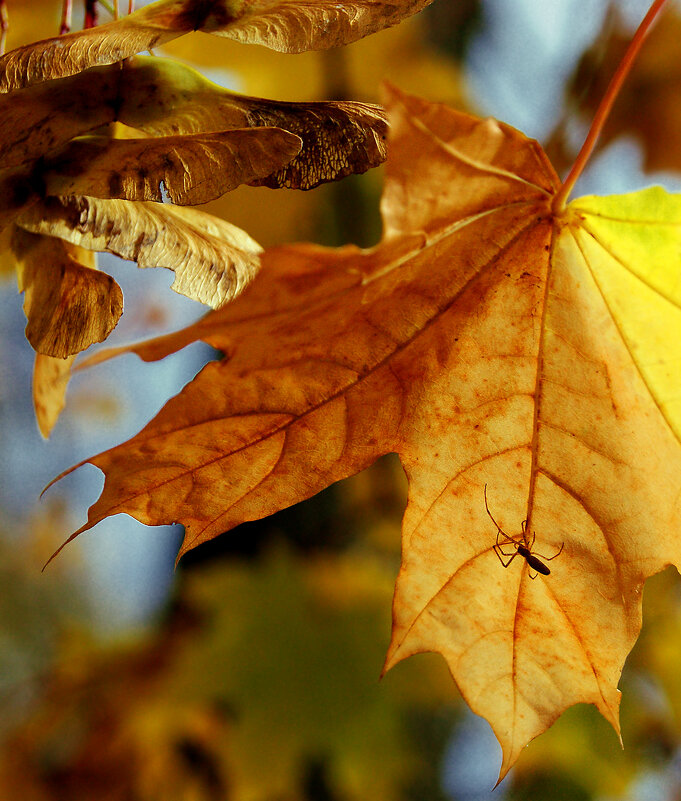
{"points": [[490, 340]]}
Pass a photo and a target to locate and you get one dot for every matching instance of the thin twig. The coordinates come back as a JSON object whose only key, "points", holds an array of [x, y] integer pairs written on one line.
{"points": [[90, 14], [4, 26], [560, 199], [66, 13], [131, 6]]}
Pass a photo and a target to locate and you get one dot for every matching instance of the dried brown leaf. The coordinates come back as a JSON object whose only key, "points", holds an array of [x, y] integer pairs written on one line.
{"points": [[68, 306], [212, 260], [109, 43], [51, 375], [41, 118], [194, 169], [291, 26], [18, 191], [294, 26], [162, 97], [8, 262], [338, 138]]}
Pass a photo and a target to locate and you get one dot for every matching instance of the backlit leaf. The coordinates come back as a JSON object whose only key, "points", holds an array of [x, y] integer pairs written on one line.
{"points": [[50, 378], [490, 342], [67, 304], [193, 169], [43, 117], [51, 375], [291, 26], [165, 98], [212, 260]]}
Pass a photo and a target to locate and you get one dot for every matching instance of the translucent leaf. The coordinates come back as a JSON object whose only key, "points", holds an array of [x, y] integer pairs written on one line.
{"points": [[162, 97], [41, 118], [68, 305], [193, 169], [294, 26], [291, 26], [338, 138], [212, 260], [509, 355]]}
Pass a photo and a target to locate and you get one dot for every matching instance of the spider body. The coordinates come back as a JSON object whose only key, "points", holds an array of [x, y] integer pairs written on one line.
{"points": [[522, 546]]}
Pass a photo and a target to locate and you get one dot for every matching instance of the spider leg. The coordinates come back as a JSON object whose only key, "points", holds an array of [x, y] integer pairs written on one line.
{"points": [[509, 538], [500, 548], [490, 515], [529, 573], [549, 558], [499, 552]]}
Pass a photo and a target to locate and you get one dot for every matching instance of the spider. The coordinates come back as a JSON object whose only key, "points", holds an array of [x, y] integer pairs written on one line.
{"points": [[522, 547]]}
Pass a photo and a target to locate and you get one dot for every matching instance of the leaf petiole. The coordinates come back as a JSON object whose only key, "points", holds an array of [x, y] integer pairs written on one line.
{"points": [[4, 26], [625, 65], [65, 25]]}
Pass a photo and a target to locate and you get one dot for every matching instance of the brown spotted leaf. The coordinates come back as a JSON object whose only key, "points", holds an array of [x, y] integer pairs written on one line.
{"points": [[291, 26], [50, 374], [44, 117], [490, 342], [162, 97], [338, 138], [68, 305], [193, 169], [212, 260]]}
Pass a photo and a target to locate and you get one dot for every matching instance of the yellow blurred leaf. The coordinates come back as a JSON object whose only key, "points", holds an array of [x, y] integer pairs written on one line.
{"points": [[50, 379], [68, 305], [273, 662]]}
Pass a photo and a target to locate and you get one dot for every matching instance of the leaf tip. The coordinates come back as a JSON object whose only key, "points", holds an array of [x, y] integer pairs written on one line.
{"points": [[61, 475], [83, 528]]}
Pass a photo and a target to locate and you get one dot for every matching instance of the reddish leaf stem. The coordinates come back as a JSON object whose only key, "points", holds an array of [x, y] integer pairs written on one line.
{"points": [[90, 14], [609, 97], [131, 6], [65, 26], [4, 26]]}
